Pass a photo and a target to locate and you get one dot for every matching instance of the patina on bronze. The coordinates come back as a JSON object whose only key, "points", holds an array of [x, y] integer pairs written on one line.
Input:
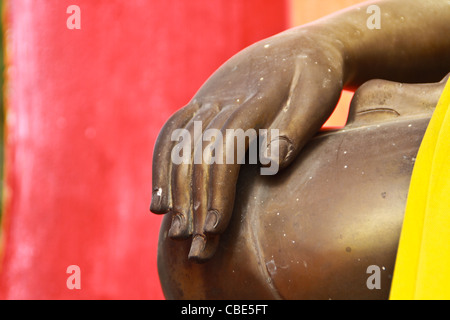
{"points": [[312, 231]]}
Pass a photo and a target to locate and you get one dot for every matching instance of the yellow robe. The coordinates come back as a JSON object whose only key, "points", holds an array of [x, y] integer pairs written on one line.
{"points": [[422, 269]]}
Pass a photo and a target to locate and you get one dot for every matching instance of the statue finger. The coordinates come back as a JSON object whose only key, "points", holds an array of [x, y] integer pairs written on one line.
{"points": [[240, 132], [309, 105], [203, 246], [162, 164], [182, 159]]}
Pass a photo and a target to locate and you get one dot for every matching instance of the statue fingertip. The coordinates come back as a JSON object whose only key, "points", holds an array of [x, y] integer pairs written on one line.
{"points": [[212, 221], [197, 247], [159, 203], [280, 150], [178, 228]]}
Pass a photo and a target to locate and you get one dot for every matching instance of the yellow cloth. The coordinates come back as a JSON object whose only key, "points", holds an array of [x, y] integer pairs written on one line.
{"points": [[422, 269]]}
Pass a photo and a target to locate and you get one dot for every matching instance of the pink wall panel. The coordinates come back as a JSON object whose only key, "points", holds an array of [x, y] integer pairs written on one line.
{"points": [[84, 108]]}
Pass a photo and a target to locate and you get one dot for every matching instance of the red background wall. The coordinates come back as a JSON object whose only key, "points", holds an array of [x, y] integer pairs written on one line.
{"points": [[84, 108]]}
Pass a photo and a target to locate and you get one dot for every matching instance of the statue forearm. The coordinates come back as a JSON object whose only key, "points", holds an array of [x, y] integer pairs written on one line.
{"points": [[410, 44]]}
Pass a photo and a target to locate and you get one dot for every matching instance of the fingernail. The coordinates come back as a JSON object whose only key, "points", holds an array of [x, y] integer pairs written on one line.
{"points": [[178, 228], [279, 150], [212, 220], [157, 205], [197, 247]]}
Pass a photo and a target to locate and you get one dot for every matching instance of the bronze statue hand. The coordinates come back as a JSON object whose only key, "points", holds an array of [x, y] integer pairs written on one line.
{"points": [[290, 82]]}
